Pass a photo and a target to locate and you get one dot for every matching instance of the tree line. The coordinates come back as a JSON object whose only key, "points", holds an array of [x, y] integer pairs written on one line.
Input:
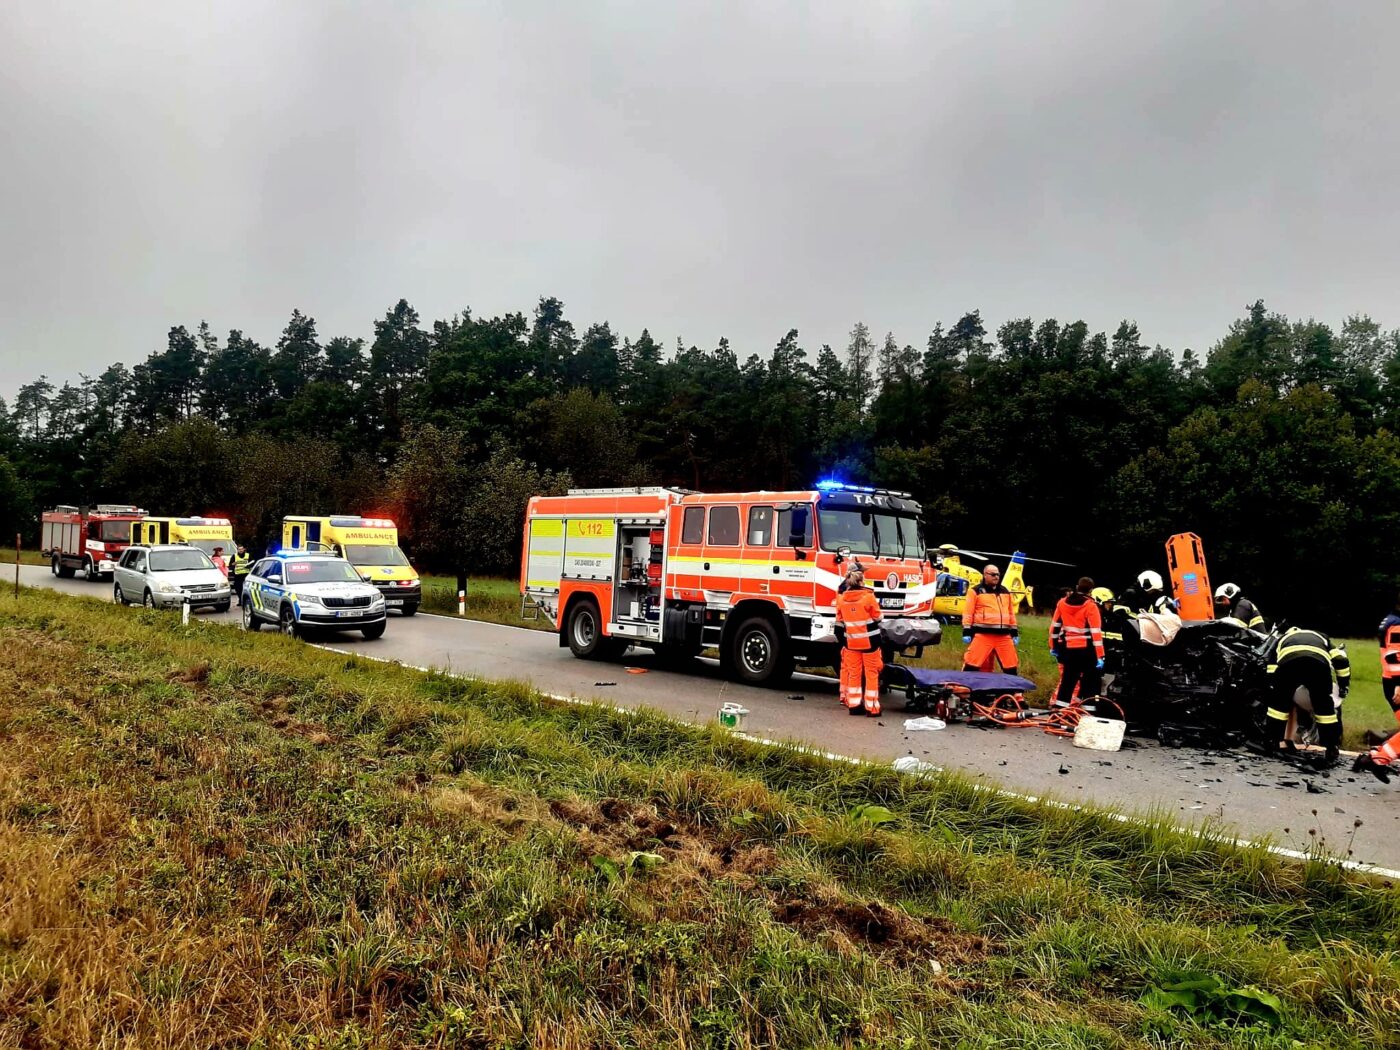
{"points": [[1278, 446]]}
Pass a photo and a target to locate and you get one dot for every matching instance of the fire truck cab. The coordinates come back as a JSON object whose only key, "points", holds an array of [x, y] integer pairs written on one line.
{"points": [[751, 574], [90, 539]]}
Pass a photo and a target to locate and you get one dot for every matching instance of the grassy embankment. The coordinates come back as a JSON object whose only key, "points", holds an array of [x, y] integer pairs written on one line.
{"points": [[210, 838]]}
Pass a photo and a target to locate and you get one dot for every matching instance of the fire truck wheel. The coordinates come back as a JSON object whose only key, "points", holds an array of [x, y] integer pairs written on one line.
{"points": [[59, 569], [586, 638], [757, 653], [90, 572]]}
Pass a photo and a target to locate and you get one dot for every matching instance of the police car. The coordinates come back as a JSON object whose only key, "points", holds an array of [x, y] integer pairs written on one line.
{"points": [[298, 591]]}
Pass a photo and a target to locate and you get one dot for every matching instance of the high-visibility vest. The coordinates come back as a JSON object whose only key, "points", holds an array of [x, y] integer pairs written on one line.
{"points": [[1390, 652], [1077, 626], [242, 564], [990, 610], [858, 613]]}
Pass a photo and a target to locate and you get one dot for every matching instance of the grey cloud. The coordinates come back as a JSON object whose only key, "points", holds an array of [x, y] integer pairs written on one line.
{"points": [[701, 169]]}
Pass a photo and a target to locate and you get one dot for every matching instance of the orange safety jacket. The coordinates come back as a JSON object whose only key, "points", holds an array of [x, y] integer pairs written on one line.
{"points": [[990, 610], [1390, 653], [1077, 624], [858, 613]]}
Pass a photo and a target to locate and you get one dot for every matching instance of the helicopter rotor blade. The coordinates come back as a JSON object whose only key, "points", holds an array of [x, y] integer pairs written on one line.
{"points": [[1004, 554]]}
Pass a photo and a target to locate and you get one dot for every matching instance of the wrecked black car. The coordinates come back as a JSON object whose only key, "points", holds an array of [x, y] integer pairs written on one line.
{"points": [[1204, 683]]}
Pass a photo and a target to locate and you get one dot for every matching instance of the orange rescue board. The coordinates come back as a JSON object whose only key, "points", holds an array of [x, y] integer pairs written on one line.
{"points": [[1190, 582]]}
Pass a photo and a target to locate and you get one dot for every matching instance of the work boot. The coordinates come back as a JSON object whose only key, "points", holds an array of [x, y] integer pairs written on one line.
{"points": [[873, 714], [857, 710], [1366, 764]]}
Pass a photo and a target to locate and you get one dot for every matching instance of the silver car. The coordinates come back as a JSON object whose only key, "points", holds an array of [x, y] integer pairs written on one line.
{"points": [[169, 574]]}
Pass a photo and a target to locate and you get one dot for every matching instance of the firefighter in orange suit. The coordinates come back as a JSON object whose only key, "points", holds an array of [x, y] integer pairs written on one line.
{"points": [[989, 625], [858, 621], [1076, 638]]}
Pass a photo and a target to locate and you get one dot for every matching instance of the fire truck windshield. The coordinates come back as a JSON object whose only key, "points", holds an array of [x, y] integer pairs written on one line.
{"points": [[174, 561], [374, 554], [871, 532], [110, 531]]}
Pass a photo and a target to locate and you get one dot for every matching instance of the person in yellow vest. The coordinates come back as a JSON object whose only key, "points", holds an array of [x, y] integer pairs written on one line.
{"points": [[858, 624], [242, 565]]}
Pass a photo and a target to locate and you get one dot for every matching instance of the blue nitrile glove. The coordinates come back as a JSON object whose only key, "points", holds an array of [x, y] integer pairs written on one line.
{"points": [[1098, 664], [1016, 640], [1059, 656], [967, 637]]}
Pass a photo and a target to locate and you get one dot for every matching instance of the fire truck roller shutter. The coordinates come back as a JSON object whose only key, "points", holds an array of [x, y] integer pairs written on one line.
{"points": [[590, 547], [546, 554]]}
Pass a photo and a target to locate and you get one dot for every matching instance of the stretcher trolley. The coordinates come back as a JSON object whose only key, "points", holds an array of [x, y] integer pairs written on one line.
{"points": [[951, 695]]}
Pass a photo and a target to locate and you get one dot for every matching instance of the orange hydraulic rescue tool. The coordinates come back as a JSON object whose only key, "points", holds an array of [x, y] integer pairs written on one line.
{"points": [[1190, 581]]}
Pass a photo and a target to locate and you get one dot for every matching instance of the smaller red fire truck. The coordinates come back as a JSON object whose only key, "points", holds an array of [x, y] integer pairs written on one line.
{"points": [[751, 574], [90, 539]]}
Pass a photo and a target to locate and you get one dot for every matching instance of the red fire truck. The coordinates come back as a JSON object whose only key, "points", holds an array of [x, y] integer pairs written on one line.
{"points": [[90, 539], [752, 574]]}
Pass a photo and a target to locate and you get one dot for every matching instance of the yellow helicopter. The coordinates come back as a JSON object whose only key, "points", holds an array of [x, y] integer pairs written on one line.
{"points": [[955, 579]]}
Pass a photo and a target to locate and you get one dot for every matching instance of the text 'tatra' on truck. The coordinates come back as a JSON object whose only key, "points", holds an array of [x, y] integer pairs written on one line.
{"points": [[753, 575]]}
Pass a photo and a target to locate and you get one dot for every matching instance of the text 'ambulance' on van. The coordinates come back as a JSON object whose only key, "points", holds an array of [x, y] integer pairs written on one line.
{"points": [[206, 533]]}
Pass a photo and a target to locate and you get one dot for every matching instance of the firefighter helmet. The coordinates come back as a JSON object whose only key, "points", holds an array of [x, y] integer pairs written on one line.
{"points": [[1227, 592], [1149, 580], [1102, 595]]}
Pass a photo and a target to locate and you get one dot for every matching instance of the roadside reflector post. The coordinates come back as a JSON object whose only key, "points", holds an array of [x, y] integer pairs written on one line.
{"points": [[185, 611], [17, 566], [462, 602]]}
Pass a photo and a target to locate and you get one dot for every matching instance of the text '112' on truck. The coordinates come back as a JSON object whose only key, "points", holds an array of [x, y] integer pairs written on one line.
{"points": [[753, 575]]}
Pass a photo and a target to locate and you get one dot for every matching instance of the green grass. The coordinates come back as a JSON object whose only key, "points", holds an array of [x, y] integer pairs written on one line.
{"points": [[216, 838]]}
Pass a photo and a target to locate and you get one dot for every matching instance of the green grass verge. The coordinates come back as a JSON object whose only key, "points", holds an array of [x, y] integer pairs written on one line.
{"points": [[216, 838]]}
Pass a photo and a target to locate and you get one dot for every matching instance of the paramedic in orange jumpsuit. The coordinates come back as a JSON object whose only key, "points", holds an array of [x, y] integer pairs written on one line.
{"points": [[989, 625], [858, 614], [1076, 637]]}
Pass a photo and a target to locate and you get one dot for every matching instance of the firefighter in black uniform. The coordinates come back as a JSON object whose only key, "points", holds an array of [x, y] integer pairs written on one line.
{"points": [[1307, 660], [1230, 604]]}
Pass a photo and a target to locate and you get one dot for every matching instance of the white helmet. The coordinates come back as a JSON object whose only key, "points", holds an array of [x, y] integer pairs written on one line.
{"points": [[1149, 580], [1227, 592]]}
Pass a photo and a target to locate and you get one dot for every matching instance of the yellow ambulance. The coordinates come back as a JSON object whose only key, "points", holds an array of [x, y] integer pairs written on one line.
{"points": [[371, 545], [204, 533]]}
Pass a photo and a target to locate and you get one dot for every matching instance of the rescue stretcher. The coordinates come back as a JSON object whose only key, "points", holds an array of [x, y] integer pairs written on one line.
{"points": [[950, 695]]}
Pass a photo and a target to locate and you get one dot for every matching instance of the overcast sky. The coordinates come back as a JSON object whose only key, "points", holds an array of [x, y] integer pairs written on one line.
{"points": [[703, 169]]}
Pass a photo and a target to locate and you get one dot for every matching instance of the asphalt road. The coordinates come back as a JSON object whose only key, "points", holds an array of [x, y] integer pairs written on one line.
{"points": [[1252, 797]]}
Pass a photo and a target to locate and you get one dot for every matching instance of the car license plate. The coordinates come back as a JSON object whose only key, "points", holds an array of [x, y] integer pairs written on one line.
{"points": [[394, 602], [892, 603], [343, 613]]}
